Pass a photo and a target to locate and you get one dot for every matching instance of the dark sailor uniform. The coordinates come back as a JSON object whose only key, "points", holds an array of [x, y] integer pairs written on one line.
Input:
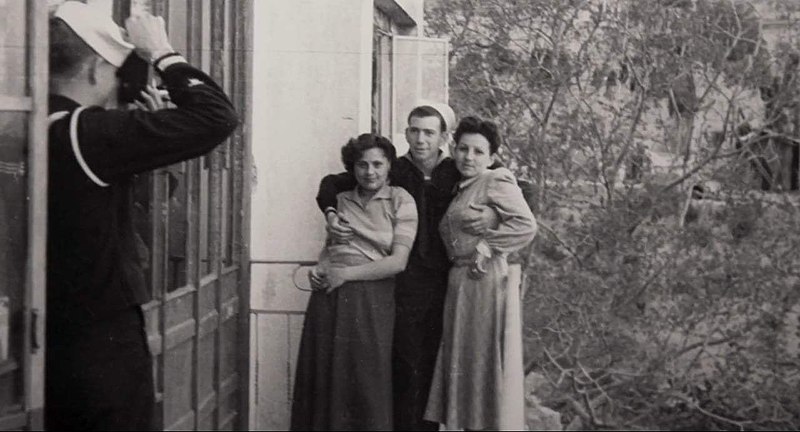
{"points": [[98, 368]]}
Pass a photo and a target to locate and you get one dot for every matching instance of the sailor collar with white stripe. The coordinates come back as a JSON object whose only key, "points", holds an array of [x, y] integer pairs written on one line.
{"points": [[58, 114], [439, 160]]}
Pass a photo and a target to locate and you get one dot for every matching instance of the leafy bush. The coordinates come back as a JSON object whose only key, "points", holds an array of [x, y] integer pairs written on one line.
{"points": [[662, 290]]}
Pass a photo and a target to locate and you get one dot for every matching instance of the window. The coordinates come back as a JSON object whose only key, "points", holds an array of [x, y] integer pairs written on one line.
{"points": [[13, 203], [174, 179], [23, 201], [382, 74], [419, 72]]}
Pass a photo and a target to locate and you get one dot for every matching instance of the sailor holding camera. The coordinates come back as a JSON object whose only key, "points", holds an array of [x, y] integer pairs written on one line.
{"points": [[99, 369]]}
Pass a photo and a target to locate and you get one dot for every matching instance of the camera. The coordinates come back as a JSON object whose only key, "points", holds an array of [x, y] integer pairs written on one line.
{"points": [[134, 74]]}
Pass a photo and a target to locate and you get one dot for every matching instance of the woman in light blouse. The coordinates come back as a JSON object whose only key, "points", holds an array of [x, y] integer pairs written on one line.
{"points": [[344, 370], [470, 387]]}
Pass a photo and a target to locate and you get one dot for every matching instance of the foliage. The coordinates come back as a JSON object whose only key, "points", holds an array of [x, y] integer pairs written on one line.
{"points": [[646, 308]]}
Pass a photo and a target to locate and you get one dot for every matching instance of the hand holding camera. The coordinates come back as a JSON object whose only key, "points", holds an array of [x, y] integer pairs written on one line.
{"points": [[152, 99]]}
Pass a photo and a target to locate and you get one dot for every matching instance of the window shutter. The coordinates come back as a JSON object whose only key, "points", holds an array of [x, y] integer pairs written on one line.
{"points": [[420, 72]]}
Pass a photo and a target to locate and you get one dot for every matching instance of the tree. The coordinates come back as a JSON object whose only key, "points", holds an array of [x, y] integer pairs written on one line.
{"points": [[646, 307]]}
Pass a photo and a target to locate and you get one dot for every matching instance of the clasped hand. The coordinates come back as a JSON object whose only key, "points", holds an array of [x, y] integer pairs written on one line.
{"points": [[338, 228], [326, 280], [478, 222], [477, 268]]}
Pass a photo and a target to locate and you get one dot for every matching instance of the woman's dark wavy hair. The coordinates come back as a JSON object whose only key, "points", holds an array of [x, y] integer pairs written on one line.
{"points": [[355, 148], [475, 125]]}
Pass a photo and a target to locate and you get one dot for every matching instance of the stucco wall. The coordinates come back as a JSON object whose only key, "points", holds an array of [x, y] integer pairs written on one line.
{"points": [[311, 81], [312, 75]]}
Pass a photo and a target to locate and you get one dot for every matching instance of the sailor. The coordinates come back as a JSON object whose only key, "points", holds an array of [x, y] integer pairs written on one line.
{"points": [[99, 371]]}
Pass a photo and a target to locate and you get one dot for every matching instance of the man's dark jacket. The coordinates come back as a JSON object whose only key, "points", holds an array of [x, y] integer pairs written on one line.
{"points": [[93, 268]]}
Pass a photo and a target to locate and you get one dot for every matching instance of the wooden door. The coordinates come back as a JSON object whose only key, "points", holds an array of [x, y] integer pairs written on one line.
{"points": [[191, 218], [23, 211]]}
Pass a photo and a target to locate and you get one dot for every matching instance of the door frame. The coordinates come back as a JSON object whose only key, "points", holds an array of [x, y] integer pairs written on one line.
{"points": [[35, 278]]}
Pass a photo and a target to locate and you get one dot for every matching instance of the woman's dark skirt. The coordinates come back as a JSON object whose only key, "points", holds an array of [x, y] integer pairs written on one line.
{"points": [[343, 379]]}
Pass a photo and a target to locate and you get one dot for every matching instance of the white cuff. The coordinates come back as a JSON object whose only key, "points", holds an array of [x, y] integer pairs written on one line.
{"points": [[169, 61]]}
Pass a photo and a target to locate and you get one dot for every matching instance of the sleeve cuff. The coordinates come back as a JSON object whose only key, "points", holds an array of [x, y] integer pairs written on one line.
{"points": [[403, 240], [162, 65]]}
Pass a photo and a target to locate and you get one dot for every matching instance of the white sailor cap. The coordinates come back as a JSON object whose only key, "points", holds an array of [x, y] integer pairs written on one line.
{"points": [[97, 29], [443, 109]]}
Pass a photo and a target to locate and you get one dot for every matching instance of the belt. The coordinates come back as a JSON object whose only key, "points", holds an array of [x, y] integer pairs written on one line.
{"points": [[462, 261], [468, 260]]}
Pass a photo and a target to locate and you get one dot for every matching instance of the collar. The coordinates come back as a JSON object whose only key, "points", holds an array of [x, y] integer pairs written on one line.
{"points": [[439, 159], [383, 193], [58, 102], [463, 184]]}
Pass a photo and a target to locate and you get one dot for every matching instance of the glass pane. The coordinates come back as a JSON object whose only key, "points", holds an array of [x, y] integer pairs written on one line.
{"points": [[227, 53], [206, 36], [13, 61], [228, 58], [205, 208], [176, 259], [143, 223], [195, 31], [406, 86], [382, 85], [13, 252], [434, 70], [376, 100], [225, 217], [228, 207], [177, 26]]}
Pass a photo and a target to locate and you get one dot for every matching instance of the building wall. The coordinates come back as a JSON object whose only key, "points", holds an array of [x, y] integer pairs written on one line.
{"points": [[312, 73]]}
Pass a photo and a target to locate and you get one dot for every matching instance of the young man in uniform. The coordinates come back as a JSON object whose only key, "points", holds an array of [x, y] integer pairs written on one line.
{"points": [[430, 177], [98, 368]]}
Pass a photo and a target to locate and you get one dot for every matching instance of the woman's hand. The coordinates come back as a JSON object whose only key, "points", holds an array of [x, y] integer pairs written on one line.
{"points": [[317, 279], [477, 270], [483, 218], [338, 227], [336, 277]]}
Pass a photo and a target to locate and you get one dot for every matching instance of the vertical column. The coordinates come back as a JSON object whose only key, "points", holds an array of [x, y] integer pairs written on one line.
{"points": [[37, 211], [216, 70], [159, 212], [242, 94]]}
